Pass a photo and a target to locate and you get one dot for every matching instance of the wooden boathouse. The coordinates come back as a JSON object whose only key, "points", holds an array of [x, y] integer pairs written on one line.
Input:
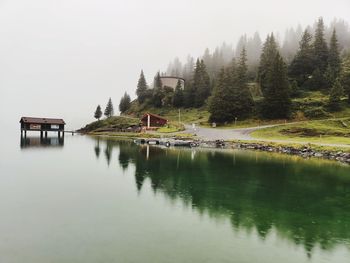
{"points": [[43, 125]]}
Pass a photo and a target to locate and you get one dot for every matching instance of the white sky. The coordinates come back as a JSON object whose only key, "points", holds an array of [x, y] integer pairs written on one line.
{"points": [[60, 58]]}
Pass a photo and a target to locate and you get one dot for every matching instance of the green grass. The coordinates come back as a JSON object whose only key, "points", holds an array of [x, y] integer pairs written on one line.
{"points": [[186, 115], [310, 105], [115, 122], [318, 131], [171, 127]]}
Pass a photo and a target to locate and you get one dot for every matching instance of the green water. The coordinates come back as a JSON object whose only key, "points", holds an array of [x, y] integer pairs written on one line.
{"points": [[88, 200]]}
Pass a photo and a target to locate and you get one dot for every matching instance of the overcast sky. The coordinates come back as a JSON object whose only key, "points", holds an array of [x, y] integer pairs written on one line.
{"points": [[60, 58]]}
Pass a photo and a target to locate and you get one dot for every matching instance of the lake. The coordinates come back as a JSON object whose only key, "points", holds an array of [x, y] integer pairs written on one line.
{"points": [[94, 200]]}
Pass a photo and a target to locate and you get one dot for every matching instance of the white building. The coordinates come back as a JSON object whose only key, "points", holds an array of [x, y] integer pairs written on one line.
{"points": [[169, 81]]}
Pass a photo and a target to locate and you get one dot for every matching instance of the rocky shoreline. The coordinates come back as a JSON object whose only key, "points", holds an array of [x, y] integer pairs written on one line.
{"points": [[303, 151]]}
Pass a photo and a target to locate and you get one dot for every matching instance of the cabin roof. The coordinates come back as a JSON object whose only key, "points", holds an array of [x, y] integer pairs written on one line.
{"points": [[153, 115], [36, 120]]}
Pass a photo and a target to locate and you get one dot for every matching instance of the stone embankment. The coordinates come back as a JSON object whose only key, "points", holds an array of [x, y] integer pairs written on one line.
{"points": [[304, 151]]}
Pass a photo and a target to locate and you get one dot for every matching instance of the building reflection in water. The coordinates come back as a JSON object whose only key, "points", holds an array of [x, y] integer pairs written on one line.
{"points": [[40, 142]]}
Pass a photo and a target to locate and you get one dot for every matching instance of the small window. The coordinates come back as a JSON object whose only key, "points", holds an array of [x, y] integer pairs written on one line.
{"points": [[55, 126], [34, 126]]}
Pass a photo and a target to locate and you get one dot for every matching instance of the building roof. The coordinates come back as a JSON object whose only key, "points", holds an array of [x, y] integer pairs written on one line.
{"points": [[41, 120], [153, 115], [172, 77]]}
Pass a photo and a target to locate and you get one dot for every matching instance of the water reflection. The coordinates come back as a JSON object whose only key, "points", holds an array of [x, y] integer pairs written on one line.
{"points": [[36, 142], [305, 202]]}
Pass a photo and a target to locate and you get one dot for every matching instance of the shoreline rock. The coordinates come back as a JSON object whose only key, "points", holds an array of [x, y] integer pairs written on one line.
{"points": [[305, 151]]}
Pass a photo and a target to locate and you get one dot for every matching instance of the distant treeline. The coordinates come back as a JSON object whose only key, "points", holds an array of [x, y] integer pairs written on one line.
{"points": [[222, 81]]}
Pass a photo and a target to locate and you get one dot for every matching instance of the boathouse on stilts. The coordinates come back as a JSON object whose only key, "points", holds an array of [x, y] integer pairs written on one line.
{"points": [[42, 125]]}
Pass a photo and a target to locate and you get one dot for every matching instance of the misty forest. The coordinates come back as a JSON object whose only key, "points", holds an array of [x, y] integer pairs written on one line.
{"points": [[258, 78]]}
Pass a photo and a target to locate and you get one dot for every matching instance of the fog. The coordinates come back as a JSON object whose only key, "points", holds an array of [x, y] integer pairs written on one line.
{"points": [[60, 58]]}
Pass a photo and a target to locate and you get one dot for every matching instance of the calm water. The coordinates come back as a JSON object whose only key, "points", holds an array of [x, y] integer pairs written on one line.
{"points": [[88, 200]]}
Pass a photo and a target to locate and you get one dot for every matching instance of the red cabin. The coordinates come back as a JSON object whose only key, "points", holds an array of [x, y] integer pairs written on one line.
{"points": [[150, 121]]}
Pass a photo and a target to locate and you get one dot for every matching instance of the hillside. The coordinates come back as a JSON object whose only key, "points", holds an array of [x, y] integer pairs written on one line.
{"points": [[110, 124], [308, 106]]}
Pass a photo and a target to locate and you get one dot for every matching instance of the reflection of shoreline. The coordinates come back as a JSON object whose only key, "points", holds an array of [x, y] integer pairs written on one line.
{"points": [[256, 191], [41, 142]]}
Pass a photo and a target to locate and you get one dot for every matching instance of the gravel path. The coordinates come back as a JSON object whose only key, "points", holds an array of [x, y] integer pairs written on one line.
{"points": [[244, 134]]}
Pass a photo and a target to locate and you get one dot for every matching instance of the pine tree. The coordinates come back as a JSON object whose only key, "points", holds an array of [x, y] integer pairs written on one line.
{"points": [[277, 103], [158, 94], [302, 65], [231, 97], [220, 101], [335, 95], [178, 98], [109, 111], [124, 104], [334, 64], [244, 97], [189, 95], [320, 47], [141, 90], [98, 113], [201, 84], [317, 81], [294, 89], [345, 76], [266, 61]]}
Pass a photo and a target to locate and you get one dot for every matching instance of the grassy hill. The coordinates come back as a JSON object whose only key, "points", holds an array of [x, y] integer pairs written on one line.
{"points": [[109, 124], [309, 106], [310, 110]]}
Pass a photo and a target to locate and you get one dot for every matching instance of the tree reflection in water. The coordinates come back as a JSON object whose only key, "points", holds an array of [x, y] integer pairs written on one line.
{"points": [[304, 201]]}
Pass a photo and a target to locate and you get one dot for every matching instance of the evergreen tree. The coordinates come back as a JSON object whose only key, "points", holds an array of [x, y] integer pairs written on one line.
{"points": [[201, 84], [294, 89], [277, 103], [302, 65], [124, 104], [109, 111], [178, 98], [335, 95], [189, 95], [168, 95], [220, 102], [266, 61], [345, 76], [244, 98], [334, 64], [320, 47], [98, 113], [141, 90], [188, 69], [231, 97], [158, 93]]}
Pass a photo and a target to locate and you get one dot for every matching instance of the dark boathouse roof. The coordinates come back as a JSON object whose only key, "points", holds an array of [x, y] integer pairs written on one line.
{"points": [[34, 120]]}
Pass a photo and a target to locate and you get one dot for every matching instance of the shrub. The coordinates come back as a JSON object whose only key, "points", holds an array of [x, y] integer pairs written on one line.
{"points": [[318, 112]]}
